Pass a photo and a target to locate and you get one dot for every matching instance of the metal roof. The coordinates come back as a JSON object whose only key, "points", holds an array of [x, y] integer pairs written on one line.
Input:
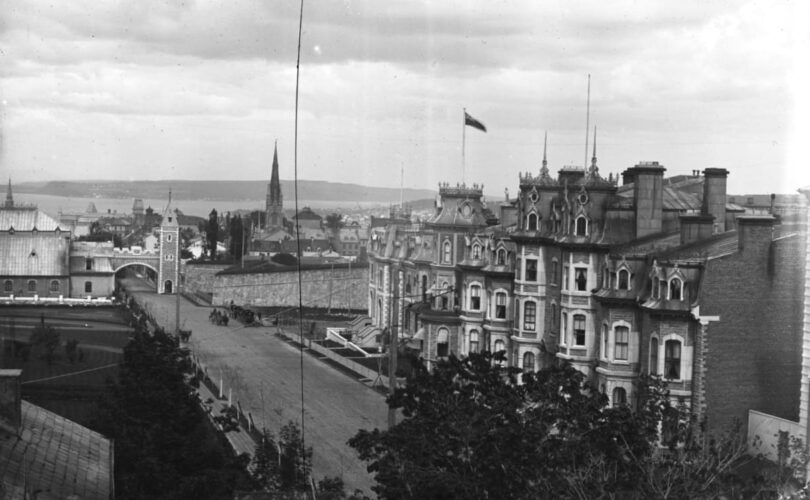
{"points": [[62, 458], [26, 219], [34, 254]]}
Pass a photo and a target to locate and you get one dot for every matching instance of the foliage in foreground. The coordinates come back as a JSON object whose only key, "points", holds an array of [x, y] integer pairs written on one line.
{"points": [[470, 431]]}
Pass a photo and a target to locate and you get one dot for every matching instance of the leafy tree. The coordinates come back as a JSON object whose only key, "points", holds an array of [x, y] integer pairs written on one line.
{"points": [[284, 465], [471, 431], [237, 236], [334, 222], [45, 338], [212, 233]]}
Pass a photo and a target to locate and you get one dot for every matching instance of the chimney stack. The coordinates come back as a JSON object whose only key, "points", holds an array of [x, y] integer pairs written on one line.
{"points": [[754, 232], [714, 196], [10, 401], [648, 195], [695, 227]]}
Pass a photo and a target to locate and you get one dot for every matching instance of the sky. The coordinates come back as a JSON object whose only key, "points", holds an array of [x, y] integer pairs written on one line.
{"points": [[200, 89]]}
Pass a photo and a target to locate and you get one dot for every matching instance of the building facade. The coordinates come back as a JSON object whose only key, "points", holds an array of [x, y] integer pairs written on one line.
{"points": [[617, 280]]}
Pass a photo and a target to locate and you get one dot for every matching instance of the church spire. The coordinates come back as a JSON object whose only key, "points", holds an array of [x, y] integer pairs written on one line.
{"points": [[594, 169], [274, 204], [275, 184], [9, 196]]}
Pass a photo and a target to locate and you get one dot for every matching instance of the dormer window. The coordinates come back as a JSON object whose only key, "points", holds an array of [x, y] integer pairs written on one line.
{"points": [[531, 224], [500, 257], [476, 251], [675, 289], [655, 287], [582, 226], [624, 279]]}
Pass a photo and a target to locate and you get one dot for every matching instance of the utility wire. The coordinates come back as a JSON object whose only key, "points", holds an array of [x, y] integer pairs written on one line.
{"points": [[298, 230]]}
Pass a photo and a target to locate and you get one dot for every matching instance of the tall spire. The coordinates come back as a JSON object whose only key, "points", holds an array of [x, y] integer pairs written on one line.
{"points": [[593, 158], [274, 213], [9, 196], [544, 168]]}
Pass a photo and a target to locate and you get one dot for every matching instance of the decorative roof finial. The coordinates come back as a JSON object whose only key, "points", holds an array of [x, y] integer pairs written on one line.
{"points": [[544, 169], [594, 170]]}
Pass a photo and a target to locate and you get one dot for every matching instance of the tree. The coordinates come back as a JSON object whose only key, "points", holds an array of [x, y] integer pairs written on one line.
{"points": [[212, 234], [334, 222], [45, 338], [237, 234], [471, 431]]}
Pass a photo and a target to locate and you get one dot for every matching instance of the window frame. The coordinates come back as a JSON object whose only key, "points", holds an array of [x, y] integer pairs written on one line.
{"points": [[446, 345], [581, 286], [675, 280], [652, 363], [564, 329], [667, 359], [88, 287], [476, 251], [605, 341], [626, 285], [577, 221], [500, 313], [54, 286], [555, 264], [31, 286], [475, 296], [575, 332], [618, 397], [8, 286], [530, 265], [447, 252], [528, 367], [531, 221], [527, 325], [474, 342], [500, 257], [621, 347]]}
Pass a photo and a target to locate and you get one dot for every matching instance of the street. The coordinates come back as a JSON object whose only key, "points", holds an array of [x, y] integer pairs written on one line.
{"points": [[264, 374]]}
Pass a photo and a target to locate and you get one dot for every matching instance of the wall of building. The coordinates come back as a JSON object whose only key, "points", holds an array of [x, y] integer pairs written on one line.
{"points": [[754, 350], [103, 285], [20, 286], [349, 288], [199, 278]]}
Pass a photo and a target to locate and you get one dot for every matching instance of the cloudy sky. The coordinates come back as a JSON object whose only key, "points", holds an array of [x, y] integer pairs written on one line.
{"points": [[202, 89]]}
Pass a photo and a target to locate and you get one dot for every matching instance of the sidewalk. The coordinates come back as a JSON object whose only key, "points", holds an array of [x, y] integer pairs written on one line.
{"points": [[241, 442]]}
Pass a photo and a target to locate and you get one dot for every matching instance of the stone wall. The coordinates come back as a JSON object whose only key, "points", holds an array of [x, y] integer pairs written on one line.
{"points": [[199, 278], [348, 286]]}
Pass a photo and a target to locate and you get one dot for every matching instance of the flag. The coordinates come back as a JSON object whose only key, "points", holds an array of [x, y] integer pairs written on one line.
{"points": [[472, 122]]}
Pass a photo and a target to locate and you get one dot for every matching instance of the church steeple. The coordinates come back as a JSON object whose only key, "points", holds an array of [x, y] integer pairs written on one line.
{"points": [[274, 203], [9, 196]]}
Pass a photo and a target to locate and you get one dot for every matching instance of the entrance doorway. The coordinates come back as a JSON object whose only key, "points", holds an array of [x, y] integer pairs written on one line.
{"points": [[167, 286]]}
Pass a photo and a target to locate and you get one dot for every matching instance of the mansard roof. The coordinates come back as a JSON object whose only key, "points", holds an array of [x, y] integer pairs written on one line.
{"points": [[26, 219], [34, 254]]}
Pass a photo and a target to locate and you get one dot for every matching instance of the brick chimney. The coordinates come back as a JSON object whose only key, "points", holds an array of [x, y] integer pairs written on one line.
{"points": [[696, 227], [648, 195], [10, 402], [714, 196], [755, 233]]}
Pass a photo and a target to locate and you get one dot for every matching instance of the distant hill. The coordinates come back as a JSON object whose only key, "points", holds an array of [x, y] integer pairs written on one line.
{"points": [[220, 190]]}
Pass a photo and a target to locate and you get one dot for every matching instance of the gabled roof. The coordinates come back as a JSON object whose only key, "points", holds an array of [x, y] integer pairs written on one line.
{"points": [[62, 458], [34, 254], [26, 219]]}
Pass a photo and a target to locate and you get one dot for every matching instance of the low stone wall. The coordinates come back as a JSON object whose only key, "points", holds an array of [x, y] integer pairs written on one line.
{"points": [[341, 287], [199, 278]]}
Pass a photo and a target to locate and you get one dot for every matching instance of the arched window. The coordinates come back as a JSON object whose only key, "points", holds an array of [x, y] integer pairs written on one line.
{"points": [[529, 315], [8, 286], [501, 257], [473, 341], [655, 287], [500, 305], [675, 289], [622, 343], [653, 368], [624, 279], [528, 362], [442, 339], [619, 397], [532, 222], [32, 286], [672, 359], [554, 270], [498, 346], [88, 287], [54, 286], [582, 226], [476, 251], [447, 253], [407, 288], [475, 298]]}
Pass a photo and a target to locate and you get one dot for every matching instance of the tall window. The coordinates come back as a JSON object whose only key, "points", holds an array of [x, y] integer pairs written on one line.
{"points": [[380, 277], [32, 286], [8, 286], [619, 397], [653, 369], [655, 287], [564, 334], [474, 341], [476, 251], [565, 277], [424, 288], [88, 287], [445, 300], [447, 254], [624, 279], [532, 225], [499, 346], [475, 298], [605, 340], [54, 286], [88, 264], [531, 270], [675, 289], [672, 359], [553, 315], [528, 362], [500, 305], [579, 330], [408, 289], [582, 226], [501, 257], [442, 338], [581, 278], [529, 315], [554, 270], [622, 343]]}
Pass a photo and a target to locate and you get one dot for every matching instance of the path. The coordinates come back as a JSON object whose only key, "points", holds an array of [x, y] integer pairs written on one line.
{"points": [[264, 374]]}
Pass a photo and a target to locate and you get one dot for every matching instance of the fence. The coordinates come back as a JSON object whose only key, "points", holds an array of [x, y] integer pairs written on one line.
{"points": [[100, 301], [768, 434]]}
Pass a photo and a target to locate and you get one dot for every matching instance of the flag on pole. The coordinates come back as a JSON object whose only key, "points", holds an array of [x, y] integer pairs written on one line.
{"points": [[472, 122]]}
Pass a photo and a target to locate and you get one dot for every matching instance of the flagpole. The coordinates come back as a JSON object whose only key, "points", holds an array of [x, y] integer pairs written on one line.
{"points": [[463, 141], [587, 121]]}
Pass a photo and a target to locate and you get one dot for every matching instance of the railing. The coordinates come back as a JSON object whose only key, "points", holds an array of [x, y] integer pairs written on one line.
{"points": [[36, 299]]}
